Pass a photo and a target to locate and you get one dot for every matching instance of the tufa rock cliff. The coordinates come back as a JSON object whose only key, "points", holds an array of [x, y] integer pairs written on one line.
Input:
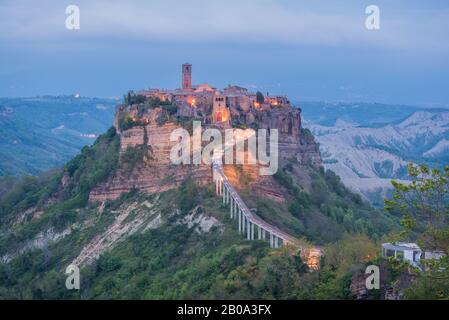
{"points": [[145, 146]]}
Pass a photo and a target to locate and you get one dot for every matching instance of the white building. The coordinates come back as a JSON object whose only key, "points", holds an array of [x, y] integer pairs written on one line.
{"points": [[433, 255], [409, 252]]}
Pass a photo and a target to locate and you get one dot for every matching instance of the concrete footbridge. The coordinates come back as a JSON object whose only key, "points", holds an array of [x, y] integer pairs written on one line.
{"points": [[248, 223]]}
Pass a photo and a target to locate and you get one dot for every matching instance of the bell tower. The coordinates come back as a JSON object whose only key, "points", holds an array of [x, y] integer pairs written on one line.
{"points": [[187, 76]]}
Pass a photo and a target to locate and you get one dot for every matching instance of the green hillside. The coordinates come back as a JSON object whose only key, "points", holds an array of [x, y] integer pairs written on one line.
{"points": [[41, 133], [180, 244]]}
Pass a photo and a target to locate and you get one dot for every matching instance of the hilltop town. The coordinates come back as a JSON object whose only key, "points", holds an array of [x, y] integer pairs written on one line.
{"points": [[234, 106], [147, 117], [230, 105]]}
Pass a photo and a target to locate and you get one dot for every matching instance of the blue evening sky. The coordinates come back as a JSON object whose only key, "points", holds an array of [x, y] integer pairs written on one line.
{"points": [[310, 50]]}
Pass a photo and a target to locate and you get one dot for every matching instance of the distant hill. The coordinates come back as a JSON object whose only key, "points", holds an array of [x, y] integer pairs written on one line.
{"points": [[361, 114], [40, 133], [367, 145]]}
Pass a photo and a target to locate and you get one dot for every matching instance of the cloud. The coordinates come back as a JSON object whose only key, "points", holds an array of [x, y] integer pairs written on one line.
{"points": [[199, 21]]}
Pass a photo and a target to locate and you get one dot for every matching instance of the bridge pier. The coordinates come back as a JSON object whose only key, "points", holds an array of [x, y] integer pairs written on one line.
{"points": [[275, 241], [219, 181], [239, 217], [230, 208], [236, 207], [216, 184], [231, 212], [252, 231], [247, 221], [223, 193]]}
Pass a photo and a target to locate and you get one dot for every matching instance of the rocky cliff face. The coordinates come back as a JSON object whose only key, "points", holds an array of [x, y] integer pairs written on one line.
{"points": [[153, 171], [294, 141], [247, 177], [309, 150]]}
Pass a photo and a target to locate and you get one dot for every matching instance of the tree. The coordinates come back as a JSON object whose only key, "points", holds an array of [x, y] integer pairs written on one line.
{"points": [[424, 205], [350, 252]]}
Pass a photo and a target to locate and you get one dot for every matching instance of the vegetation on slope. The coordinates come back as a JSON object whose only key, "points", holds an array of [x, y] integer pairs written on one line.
{"points": [[423, 205], [126, 121], [326, 213], [58, 205], [172, 260], [178, 262]]}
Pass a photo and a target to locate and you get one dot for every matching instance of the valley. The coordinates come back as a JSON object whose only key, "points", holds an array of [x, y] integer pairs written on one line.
{"points": [[367, 152], [41, 133]]}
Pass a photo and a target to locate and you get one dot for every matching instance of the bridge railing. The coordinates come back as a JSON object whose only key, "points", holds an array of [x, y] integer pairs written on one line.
{"points": [[249, 215], [310, 253]]}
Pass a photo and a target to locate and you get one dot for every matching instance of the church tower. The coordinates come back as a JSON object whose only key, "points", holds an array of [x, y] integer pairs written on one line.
{"points": [[187, 76]]}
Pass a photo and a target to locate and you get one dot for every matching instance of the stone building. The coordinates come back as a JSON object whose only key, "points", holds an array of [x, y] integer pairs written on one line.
{"points": [[186, 76], [233, 104], [220, 113], [235, 90]]}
